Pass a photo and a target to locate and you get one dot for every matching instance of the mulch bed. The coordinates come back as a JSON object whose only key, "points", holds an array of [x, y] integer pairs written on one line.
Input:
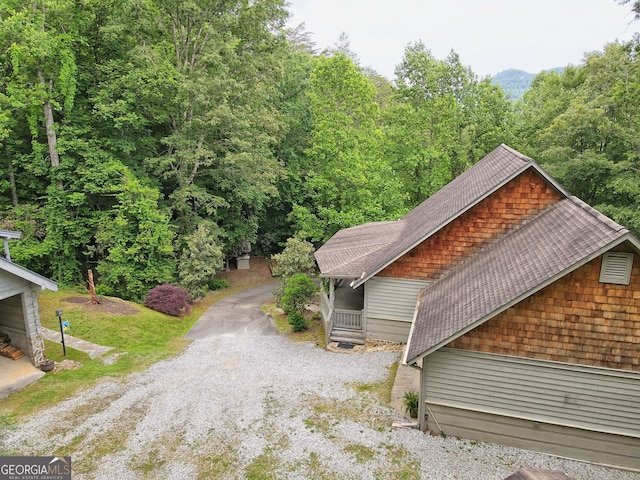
{"points": [[107, 305]]}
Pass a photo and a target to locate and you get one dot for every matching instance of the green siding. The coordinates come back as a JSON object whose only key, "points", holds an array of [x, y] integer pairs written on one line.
{"points": [[564, 409]]}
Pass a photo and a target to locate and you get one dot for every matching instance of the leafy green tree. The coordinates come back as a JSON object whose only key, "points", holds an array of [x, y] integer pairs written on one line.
{"points": [[549, 96], [297, 257], [443, 120], [218, 161], [349, 181], [635, 6], [137, 240], [582, 125], [292, 102], [200, 261], [39, 38], [30, 251]]}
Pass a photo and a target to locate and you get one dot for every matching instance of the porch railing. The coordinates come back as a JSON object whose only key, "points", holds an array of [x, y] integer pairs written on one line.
{"points": [[339, 318], [349, 319]]}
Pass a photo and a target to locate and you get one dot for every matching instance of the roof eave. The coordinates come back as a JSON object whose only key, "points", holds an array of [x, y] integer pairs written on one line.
{"points": [[337, 275], [405, 361], [526, 166], [627, 237], [30, 276]]}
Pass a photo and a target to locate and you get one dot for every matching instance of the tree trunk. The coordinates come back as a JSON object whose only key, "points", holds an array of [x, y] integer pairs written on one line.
{"points": [[12, 179], [52, 140], [92, 289]]}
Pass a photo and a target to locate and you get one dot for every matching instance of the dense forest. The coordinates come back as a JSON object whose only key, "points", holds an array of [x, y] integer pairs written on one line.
{"points": [[148, 140]]}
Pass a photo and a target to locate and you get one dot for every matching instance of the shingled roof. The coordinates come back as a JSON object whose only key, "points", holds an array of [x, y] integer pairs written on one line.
{"points": [[361, 252], [560, 239]]}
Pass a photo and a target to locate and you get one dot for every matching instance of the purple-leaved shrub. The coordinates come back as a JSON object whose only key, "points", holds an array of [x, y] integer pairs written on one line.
{"points": [[169, 299]]}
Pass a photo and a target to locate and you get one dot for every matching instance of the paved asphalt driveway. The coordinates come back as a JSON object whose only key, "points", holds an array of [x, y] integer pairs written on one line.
{"points": [[238, 314]]}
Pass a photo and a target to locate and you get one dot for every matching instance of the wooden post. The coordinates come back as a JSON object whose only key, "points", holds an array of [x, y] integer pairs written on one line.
{"points": [[92, 289]]}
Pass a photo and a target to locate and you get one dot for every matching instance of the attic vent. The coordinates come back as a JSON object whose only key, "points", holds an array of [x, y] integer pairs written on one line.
{"points": [[616, 268]]}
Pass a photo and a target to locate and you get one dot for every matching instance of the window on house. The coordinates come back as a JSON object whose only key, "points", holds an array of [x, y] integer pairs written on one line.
{"points": [[616, 268]]}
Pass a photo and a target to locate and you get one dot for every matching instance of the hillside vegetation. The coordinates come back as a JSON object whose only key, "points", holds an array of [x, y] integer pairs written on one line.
{"points": [[154, 142]]}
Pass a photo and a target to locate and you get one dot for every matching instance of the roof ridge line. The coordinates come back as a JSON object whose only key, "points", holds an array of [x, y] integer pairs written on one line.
{"points": [[518, 154], [601, 217]]}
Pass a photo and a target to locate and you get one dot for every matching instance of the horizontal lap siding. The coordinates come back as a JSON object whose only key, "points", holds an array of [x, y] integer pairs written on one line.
{"points": [[390, 304], [574, 404], [602, 448], [392, 298], [388, 330]]}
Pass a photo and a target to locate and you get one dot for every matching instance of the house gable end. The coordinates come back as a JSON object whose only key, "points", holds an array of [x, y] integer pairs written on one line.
{"points": [[12, 270], [576, 319], [11, 285], [520, 199], [459, 196], [557, 242]]}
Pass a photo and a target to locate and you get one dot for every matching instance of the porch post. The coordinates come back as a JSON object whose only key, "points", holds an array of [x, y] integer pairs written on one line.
{"points": [[331, 292]]}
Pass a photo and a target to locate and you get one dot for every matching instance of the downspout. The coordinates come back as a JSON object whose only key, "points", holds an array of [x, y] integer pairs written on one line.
{"points": [[423, 408], [6, 248]]}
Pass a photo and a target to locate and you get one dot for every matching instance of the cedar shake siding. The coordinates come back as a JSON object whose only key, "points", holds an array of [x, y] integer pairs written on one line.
{"points": [[520, 199], [576, 320]]}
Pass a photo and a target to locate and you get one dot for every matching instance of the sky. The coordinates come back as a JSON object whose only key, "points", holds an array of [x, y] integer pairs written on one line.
{"points": [[489, 35]]}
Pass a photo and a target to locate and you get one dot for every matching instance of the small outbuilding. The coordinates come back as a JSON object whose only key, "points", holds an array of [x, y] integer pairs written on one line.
{"points": [[19, 318]]}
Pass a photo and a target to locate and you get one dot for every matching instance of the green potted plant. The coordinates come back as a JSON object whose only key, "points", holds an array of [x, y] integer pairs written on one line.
{"points": [[411, 400]]}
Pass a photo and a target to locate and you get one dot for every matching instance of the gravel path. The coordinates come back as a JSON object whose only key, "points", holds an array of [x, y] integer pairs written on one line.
{"points": [[261, 406]]}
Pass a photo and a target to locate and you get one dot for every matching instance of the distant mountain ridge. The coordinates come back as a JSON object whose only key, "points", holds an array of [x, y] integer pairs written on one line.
{"points": [[516, 82]]}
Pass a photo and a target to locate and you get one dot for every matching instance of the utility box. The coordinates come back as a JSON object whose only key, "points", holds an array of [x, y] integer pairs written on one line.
{"points": [[243, 262]]}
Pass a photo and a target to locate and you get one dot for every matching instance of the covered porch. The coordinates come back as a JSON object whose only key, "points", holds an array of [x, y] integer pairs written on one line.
{"points": [[342, 309]]}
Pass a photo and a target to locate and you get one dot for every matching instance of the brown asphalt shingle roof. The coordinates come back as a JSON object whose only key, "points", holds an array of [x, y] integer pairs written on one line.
{"points": [[348, 251], [558, 240], [539, 251], [361, 252]]}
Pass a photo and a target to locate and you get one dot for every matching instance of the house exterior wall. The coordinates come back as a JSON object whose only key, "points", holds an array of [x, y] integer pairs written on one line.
{"points": [[521, 198], [558, 372], [390, 305], [575, 411], [575, 320]]}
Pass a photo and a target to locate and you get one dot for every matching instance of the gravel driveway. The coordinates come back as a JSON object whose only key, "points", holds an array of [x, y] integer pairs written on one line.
{"points": [[251, 404]]}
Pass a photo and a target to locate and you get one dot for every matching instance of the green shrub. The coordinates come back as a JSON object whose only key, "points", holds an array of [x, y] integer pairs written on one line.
{"points": [[297, 257], [411, 402], [218, 284], [298, 290], [298, 322]]}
